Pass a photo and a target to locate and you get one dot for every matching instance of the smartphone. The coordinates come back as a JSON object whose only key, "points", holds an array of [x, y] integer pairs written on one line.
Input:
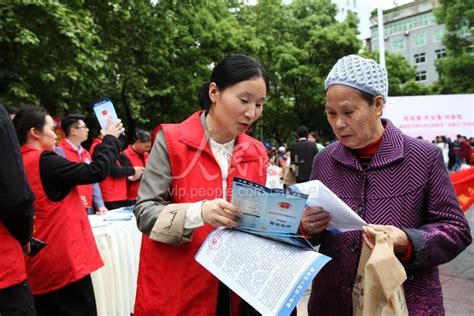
{"points": [[36, 246], [104, 109]]}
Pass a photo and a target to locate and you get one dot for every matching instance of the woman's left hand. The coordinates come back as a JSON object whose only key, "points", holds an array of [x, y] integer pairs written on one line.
{"points": [[398, 236]]}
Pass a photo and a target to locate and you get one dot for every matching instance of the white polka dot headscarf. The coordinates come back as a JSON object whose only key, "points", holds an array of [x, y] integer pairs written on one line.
{"points": [[359, 73]]}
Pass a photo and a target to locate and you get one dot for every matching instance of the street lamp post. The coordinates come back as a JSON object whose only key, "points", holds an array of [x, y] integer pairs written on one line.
{"points": [[381, 35]]}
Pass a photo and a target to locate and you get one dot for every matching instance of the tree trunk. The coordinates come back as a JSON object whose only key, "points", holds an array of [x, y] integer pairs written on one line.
{"points": [[129, 122]]}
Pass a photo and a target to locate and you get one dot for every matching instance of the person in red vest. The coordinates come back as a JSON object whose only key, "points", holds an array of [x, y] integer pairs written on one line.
{"points": [[76, 132], [114, 187], [137, 153], [59, 275], [16, 224], [186, 189], [465, 151]]}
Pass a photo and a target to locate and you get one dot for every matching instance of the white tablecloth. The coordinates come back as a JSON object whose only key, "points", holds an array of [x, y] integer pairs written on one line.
{"points": [[115, 283]]}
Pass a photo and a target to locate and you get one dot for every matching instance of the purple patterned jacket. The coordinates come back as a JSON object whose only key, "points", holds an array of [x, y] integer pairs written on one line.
{"points": [[405, 185]]}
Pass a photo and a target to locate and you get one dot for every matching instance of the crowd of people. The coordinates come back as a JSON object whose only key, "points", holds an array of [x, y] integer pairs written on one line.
{"points": [[457, 154], [286, 166], [398, 184]]}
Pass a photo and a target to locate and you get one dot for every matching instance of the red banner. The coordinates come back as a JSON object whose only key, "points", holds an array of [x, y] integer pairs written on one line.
{"points": [[463, 182]]}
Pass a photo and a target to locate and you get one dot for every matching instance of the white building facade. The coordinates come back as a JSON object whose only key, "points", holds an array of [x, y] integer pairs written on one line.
{"points": [[411, 30]]}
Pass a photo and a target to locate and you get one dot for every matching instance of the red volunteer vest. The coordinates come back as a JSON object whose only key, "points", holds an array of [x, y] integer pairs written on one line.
{"points": [[135, 161], [12, 262], [113, 189], [170, 281], [71, 153], [71, 253], [96, 141]]}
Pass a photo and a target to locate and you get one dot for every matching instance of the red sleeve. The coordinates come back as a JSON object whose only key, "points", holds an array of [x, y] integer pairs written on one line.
{"points": [[409, 254]]}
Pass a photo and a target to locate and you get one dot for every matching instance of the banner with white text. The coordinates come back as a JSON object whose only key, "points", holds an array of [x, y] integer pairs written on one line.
{"points": [[432, 115]]}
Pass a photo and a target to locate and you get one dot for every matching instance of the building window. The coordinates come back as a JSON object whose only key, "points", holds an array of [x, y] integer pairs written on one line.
{"points": [[354, 2], [398, 44], [419, 40], [420, 76], [440, 53], [438, 36], [409, 24], [420, 58]]}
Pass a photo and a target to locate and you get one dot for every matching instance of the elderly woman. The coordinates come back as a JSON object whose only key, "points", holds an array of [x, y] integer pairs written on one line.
{"points": [[396, 183]]}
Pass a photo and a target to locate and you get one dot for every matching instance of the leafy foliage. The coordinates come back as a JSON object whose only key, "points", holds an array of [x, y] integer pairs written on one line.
{"points": [[455, 70], [151, 57]]}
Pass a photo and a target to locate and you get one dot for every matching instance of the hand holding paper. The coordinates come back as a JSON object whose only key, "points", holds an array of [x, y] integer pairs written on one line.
{"points": [[108, 119], [315, 220], [114, 128], [343, 218], [219, 212]]}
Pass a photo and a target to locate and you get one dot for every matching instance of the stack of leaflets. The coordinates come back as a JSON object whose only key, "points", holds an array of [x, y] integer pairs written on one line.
{"points": [[120, 214], [264, 261]]}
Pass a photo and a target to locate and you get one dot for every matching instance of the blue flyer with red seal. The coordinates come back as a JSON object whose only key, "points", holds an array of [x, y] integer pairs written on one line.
{"points": [[267, 210]]}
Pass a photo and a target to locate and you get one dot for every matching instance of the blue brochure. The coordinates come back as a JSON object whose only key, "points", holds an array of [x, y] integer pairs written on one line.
{"points": [[264, 261], [104, 109], [268, 210]]}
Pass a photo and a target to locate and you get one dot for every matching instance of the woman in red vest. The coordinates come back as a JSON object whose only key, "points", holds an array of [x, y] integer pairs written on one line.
{"points": [[185, 192], [59, 275], [137, 153], [114, 187]]}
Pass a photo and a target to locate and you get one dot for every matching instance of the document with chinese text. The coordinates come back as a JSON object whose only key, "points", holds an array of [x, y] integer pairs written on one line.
{"points": [[269, 275]]}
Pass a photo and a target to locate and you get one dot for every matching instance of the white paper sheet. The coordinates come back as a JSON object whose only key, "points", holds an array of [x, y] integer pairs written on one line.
{"points": [[269, 275], [343, 218]]}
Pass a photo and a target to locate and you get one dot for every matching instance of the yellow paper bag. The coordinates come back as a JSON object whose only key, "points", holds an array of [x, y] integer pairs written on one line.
{"points": [[378, 288]]}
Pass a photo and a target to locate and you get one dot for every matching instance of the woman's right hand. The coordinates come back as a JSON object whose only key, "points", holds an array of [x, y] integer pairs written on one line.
{"points": [[219, 212], [113, 128]]}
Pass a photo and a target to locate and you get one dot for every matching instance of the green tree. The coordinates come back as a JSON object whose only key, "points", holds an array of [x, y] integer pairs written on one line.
{"points": [[456, 69], [150, 58], [49, 53], [302, 41]]}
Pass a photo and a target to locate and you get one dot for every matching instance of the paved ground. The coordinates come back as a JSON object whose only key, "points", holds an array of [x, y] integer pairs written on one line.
{"points": [[457, 279]]}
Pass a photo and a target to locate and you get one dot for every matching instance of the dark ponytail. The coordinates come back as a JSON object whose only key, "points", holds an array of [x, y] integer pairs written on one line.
{"points": [[203, 95], [230, 71]]}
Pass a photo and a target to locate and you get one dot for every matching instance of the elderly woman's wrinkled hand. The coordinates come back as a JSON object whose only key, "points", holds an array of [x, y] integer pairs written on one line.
{"points": [[399, 237], [219, 212], [315, 220]]}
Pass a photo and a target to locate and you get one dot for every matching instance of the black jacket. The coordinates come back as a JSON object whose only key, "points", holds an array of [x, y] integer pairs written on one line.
{"points": [[16, 198], [302, 154]]}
